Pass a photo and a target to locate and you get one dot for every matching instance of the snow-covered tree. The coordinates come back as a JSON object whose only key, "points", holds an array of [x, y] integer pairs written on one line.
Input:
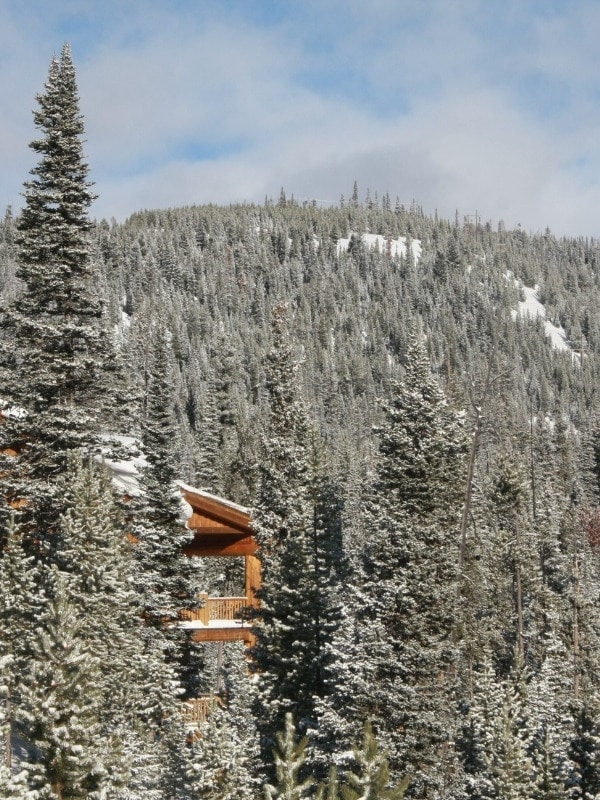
{"points": [[407, 598], [286, 654], [584, 752], [370, 777], [13, 777], [55, 354], [96, 559], [219, 765], [498, 763], [60, 703], [289, 757], [166, 576], [165, 579], [21, 602]]}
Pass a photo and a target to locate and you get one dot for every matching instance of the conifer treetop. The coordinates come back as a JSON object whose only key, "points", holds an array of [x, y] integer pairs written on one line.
{"points": [[54, 223]]}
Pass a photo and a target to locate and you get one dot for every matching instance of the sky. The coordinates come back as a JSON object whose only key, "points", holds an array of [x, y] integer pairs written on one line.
{"points": [[483, 107]]}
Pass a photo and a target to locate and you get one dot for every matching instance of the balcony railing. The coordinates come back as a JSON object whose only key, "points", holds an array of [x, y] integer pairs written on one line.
{"points": [[217, 608], [196, 710]]}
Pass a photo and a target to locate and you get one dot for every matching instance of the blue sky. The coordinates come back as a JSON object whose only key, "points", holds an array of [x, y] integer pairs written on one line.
{"points": [[468, 105]]}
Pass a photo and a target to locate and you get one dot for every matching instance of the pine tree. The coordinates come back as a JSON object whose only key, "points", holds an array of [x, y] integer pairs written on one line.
{"points": [[96, 559], [166, 576], [289, 756], [584, 753], [60, 702], [13, 782], [218, 764], [21, 603], [55, 353], [370, 778], [407, 598], [96, 671], [286, 654], [97, 564], [510, 769], [549, 695], [239, 691], [498, 760]]}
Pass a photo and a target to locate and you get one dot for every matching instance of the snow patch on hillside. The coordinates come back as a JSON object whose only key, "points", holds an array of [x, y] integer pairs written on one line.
{"points": [[532, 308], [395, 247], [125, 471]]}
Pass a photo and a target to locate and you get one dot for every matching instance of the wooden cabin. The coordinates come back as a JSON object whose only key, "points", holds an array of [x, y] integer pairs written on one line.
{"points": [[221, 528]]}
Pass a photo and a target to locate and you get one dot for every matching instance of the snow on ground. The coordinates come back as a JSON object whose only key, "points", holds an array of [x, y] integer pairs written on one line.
{"points": [[126, 471], [397, 247], [532, 308], [16, 412]]}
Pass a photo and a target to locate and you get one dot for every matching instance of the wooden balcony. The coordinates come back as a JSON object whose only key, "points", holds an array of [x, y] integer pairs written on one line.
{"points": [[221, 528], [219, 619], [217, 608]]}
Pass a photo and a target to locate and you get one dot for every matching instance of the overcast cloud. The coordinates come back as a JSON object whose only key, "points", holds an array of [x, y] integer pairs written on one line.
{"points": [[464, 105]]}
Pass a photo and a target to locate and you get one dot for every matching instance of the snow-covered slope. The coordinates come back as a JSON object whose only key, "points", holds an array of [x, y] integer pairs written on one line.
{"points": [[532, 308], [396, 247]]}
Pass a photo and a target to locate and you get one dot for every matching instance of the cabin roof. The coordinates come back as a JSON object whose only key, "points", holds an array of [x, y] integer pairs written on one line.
{"points": [[203, 494], [218, 524], [203, 512]]}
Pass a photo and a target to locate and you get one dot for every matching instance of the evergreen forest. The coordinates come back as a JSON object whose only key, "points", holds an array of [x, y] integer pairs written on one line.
{"points": [[410, 408]]}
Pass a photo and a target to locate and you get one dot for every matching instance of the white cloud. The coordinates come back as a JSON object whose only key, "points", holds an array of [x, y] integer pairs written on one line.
{"points": [[426, 101]]}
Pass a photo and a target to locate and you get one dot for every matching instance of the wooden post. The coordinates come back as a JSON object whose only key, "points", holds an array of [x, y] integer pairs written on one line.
{"points": [[203, 610], [252, 579]]}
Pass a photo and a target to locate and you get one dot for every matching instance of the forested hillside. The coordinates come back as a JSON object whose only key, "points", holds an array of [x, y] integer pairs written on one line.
{"points": [[214, 275], [420, 448]]}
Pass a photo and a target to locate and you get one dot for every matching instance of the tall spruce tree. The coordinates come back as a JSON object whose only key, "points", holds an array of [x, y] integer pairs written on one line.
{"points": [[286, 654], [59, 704], [55, 347], [406, 603], [166, 576], [97, 563], [13, 781], [21, 603]]}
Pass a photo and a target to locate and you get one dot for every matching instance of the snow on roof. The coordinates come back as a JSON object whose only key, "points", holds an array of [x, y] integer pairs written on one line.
{"points": [[397, 247], [126, 473], [216, 498]]}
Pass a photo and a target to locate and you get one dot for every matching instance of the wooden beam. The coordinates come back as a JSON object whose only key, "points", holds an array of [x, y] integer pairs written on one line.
{"points": [[203, 523], [222, 635], [221, 545]]}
